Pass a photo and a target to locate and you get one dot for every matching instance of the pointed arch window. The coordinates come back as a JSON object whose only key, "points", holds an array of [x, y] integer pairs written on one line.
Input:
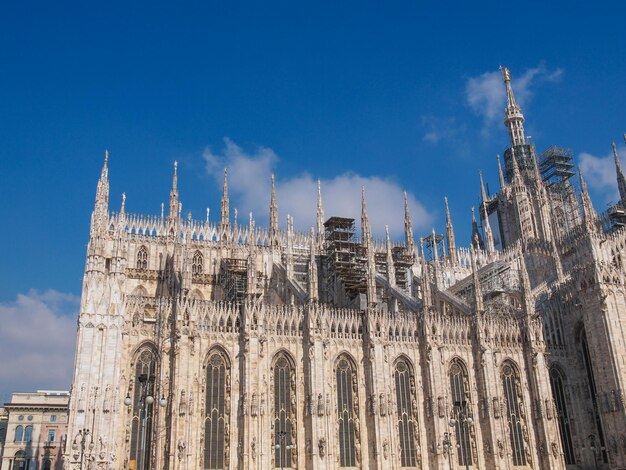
{"points": [[406, 412], [143, 390], [347, 412], [19, 434], [142, 258], [459, 389], [197, 263], [594, 393], [557, 382], [217, 406], [284, 412], [512, 391]]}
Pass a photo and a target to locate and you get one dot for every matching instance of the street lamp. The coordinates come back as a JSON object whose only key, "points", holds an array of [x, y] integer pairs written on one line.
{"points": [[460, 417], [145, 401], [282, 435], [83, 433], [447, 446]]}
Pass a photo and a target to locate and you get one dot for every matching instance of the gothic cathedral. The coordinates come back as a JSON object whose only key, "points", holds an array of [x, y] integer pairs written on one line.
{"points": [[225, 345]]}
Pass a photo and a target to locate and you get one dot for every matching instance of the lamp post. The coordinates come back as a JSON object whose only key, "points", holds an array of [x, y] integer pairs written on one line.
{"points": [[145, 401], [460, 417], [83, 433], [447, 446], [280, 445]]}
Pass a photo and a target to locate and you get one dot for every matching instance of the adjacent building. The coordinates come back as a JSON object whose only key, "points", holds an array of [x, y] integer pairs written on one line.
{"points": [[35, 431]]}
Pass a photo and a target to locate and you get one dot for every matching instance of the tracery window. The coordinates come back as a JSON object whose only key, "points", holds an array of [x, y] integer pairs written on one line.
{"points": [[284, 412], [406, 412], [459, 388], [143, 408], [557, 382], [347, 413], [19, 434], [142, 258], [594, 393], [217, 406], [196, 265], [512, 391]]}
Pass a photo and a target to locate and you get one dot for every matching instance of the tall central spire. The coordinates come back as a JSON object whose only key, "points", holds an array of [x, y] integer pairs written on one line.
{"points": [[320, 212], [408, 229], [513, 117]]}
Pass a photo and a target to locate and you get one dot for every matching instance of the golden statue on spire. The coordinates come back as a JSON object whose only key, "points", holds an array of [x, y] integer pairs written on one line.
{"points": [[505, 74]]}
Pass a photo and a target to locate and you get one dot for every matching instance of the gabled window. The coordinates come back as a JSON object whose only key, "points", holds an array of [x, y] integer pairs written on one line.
{"points": [[406, 414], [284, 411], [347, 408], [557, 382], [217, 406], [459, 388], [142, 258], [512, 392]]}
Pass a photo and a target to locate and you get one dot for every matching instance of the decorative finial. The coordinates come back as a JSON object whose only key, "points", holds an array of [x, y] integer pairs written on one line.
{"points": [[506, 74]]}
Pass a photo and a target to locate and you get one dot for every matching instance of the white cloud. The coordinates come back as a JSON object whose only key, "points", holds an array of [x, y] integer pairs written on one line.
{"points": [[249, 182], [485, 94], [37, 340], [599, 173]]}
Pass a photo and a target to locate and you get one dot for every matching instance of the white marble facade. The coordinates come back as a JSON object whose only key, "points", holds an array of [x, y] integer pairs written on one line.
{"points": [[264, 348]]}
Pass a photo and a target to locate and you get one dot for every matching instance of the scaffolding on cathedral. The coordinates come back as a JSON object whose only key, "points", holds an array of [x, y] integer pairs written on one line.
{"points": [[233, 278], [556, 167], [345, 261]]}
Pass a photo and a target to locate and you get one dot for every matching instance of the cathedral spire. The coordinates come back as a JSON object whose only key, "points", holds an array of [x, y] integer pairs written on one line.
{"points": [[621, 181], [516, 177], [483, 193], [391, 271], [478, 294], [313, 283], [500, 173], [320, 212], [477, 241], [513, 117], [589, 214], [273, 215], [408, 229], [173, 212], [225, 211], [489, 242], [101, 207], [366, 233], [450, 234]]}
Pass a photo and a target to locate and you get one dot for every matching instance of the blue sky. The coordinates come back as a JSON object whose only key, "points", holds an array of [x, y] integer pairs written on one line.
{"points": [[406, 97]]}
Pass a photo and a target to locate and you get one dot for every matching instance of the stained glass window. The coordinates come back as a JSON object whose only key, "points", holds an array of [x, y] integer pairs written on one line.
{"points": [[345, 413], [510, 382], [407, 421], [216, 422]]}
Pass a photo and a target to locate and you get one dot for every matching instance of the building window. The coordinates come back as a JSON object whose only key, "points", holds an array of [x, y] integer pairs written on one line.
{"points": [[28, 434], [216, 421], [284, 411], [20, 462], [20, 418], [19, 434], [196, 265], [51, 435], [142, 258], [142, 410], [459, 388], [53, 418], [512, 394], [407, 415], [47, 464], [347, 412], [557, 382], [594, 396]]}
